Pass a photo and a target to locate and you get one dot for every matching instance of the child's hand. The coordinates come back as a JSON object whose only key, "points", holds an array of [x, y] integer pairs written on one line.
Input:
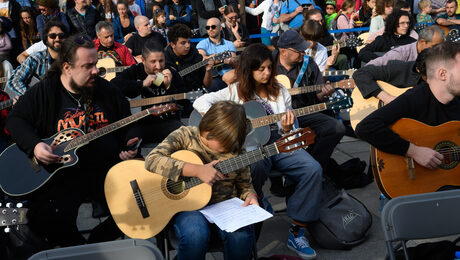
{"points": [[208, 174], [251, 199]]}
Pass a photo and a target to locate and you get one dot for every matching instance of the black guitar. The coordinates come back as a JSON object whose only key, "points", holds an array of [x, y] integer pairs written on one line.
{"points": [[259, 122], [22, 175]]}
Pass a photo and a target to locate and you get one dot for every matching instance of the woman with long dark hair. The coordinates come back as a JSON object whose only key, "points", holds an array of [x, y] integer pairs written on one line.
{"points": [[256, 82], [29, 32], [399, 25], [123, 23]]}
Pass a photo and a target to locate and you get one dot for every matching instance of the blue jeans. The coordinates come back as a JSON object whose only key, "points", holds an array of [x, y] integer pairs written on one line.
{"points": [[301, 170], [194, 233], [265, 40]]}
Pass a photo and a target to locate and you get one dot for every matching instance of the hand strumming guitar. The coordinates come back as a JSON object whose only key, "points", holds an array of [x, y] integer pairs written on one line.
{"points": [[44, 153], [425, 156]]}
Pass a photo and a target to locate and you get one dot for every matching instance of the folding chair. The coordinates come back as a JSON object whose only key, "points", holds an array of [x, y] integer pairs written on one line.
{"points": [[420, 216], [137, 249]]}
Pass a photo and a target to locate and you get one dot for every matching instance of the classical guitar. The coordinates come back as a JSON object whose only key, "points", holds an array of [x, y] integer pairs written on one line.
{"points": [[259, 122], [284, 80], [397, 175], [107, 68], [22, 175], [192, 95], [363, 107], [142, 202], [218, 57]]}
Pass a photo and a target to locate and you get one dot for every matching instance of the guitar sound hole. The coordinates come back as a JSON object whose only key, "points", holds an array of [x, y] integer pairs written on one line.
{"points": [[175, 187], [102, 72]]}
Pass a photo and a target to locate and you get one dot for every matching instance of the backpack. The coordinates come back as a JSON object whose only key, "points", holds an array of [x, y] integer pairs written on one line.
{"points": [[350, 174], [343, 220]]}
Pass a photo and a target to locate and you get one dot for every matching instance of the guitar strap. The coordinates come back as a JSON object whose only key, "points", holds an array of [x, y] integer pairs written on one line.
{"points": [[306, 59]]}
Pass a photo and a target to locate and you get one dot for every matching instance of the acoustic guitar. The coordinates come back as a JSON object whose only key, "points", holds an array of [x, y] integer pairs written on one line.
{"points": [[22, 175], [219, 57], [259, 122], [284, 80], [107, 68], [363, 107], [397, 175], [142, 202]]}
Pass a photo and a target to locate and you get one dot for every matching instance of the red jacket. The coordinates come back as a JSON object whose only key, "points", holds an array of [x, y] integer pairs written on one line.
{"points": [[125, 54], [3, 113]]}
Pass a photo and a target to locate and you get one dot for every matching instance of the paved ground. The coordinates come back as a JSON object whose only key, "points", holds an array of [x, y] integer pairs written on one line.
{"points": [[274, 232]]}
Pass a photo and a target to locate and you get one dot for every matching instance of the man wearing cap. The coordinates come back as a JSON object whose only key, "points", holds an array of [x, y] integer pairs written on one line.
{"points": [[291, 11], [291, 61], [49, 10]]}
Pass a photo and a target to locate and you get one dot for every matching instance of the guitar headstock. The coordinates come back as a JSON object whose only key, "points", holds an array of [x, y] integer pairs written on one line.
{"points": [[345, 84], [349, 72], [420, 26], [12, 216], [296, 140], [353, 41], [162, 109], [220, 57], [192, 95], [340, 103], [453, 36]]}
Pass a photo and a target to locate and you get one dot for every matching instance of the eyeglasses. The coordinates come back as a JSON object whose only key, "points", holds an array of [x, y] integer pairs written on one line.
{"points": [[54, 35], [296, 51], [404, 23], [210, 27]]}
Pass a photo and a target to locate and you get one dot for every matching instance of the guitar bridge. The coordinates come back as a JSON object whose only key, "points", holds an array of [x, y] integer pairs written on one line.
{"points": [[139, 199], [411, 168]]}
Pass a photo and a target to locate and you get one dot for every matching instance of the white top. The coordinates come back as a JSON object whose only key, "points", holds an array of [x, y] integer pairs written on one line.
{"points": [[320, 56], [376, 24], [268, 10], [36, 47], [280, 105]]}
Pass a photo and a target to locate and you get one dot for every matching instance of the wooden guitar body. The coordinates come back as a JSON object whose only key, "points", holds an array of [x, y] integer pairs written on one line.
{"points": [[363, 107], [397, 175], [22, 175], [142, 203]]}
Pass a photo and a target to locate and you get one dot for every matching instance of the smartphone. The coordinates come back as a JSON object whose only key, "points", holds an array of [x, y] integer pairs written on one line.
{"points": [[134, 146]]}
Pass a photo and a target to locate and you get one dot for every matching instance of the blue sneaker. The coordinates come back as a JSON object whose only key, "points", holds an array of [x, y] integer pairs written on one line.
{"points": [[300, 245]]}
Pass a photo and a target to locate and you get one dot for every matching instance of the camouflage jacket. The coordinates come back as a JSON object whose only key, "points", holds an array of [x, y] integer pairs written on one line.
{"points": [[237, 184]]}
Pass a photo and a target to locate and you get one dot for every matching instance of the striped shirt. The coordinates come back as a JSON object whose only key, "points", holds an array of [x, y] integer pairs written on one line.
{"points": [[36, 65]]}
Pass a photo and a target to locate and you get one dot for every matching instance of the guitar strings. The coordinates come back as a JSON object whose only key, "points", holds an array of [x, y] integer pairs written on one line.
{"points": [[145, 195]]}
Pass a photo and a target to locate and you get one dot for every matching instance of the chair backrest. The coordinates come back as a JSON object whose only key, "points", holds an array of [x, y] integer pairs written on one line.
{"points": [[138, 249], [422, 216]]}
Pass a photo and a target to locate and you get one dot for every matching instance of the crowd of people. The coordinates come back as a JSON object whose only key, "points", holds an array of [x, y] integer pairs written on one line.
{"points": [[51, 54]]}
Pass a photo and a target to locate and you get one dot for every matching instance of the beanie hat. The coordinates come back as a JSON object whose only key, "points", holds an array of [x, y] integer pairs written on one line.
{"points": [[328, 2], [48, 3]]}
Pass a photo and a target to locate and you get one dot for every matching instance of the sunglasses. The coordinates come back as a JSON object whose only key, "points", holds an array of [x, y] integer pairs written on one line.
{"points": [[210, 27], [54, 35]]}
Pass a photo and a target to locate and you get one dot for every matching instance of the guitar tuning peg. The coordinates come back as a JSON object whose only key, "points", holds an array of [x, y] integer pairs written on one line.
{"points": [[19, 205], [9, 204], [7, 230], [1, 204]]}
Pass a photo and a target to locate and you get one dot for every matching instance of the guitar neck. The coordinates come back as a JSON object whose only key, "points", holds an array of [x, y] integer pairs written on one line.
{"points": [[117, 69], [271, 119], [241, 161], [82, 140], [328, 73], [193, 67], [341, 44], [308, 89], [156, 100], [6, 104]]}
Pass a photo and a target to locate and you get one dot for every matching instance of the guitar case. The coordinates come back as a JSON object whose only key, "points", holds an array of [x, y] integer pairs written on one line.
{"points": [[343, 220]]}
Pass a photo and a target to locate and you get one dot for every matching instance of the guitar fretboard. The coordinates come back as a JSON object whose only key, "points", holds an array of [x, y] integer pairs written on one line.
{"points": [[156, 100], [193, 67], [233, 164], [312, 88], [84, 139], [117, 69], [270, 119], [328, 73], [6, 104]]}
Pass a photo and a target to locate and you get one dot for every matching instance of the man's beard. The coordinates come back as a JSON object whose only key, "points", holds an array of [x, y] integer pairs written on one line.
{"points": [[86, 91], [51, 46]]}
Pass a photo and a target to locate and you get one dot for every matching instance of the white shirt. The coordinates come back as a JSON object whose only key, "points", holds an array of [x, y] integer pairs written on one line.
{"points": [[36, 47], [320, 56], [268, 8]]}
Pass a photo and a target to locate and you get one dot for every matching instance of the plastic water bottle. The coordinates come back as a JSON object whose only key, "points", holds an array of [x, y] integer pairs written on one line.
{"points": [[457, 255], [277, 15]]}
